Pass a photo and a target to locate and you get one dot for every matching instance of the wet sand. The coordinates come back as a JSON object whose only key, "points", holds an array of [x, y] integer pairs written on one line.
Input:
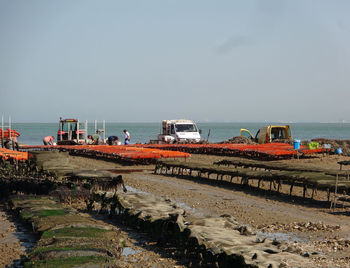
{"points": [[13, 243]]}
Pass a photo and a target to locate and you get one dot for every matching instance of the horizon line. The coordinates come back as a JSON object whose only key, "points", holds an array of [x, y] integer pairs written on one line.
{"points": [[225, 122]]}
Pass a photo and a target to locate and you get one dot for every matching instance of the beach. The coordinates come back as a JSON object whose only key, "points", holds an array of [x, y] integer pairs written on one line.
{"points": [[308, 227], [33, 133]]}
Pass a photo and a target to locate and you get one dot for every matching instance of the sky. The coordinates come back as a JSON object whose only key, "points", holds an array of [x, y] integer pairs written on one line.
{"points": [[145, 61]]}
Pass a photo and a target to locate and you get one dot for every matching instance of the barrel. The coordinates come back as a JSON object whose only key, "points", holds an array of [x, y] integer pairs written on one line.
{"points": [[338, 151], [296, 144]]}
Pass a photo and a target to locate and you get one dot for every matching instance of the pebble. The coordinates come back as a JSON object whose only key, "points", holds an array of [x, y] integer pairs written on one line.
{"points": [[303, 227]]}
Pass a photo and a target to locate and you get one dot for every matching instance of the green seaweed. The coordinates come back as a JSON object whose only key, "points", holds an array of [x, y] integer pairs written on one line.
{"points": [[41, 250], [74, 232], [66, 262], [51, 212], [27, 214]]}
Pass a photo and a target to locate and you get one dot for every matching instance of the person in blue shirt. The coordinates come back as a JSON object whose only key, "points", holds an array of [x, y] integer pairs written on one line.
{"points": [[112, 140]]}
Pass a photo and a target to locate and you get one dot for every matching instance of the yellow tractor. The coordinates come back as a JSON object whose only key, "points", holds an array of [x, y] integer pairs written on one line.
{"points": [[269, 134]]}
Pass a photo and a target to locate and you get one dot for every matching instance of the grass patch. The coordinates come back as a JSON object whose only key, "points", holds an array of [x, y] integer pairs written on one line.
{"points": [[74, 232], [26, 214], [51, 212], [49, 249], [66, 262]]}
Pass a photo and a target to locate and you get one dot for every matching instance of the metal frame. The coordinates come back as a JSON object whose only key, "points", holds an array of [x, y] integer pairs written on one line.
{"points": [[9, 126]]}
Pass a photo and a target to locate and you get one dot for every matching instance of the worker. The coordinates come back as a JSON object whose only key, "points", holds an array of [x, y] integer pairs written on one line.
{"points": [[112, 140], [89, 140], [96, 138], [48, 140], [126, 137], [11, 143], [117, 142]]}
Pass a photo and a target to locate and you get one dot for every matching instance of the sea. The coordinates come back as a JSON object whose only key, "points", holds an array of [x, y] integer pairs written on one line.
{"points": [[33, 133]]}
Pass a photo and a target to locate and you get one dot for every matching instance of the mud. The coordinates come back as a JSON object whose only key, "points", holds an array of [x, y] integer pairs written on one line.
{"points": [[324, 248], [15, 241], [214, 241]]}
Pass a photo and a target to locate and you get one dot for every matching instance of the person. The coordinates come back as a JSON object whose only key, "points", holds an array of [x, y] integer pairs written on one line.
{"points": [[48, 140], [112, 140], [11, 142], [126, 137], [96, 138], [89, 140], [117, 142]]}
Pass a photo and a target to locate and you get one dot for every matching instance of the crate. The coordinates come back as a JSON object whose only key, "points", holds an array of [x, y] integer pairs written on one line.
{"points": [[313, 145]]}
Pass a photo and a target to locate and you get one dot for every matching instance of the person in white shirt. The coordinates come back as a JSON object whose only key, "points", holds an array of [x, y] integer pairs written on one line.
{"points": [[126, 137]]}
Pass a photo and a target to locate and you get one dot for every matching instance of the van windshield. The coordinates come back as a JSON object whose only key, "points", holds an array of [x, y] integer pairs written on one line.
{"points": [[186, 128]]}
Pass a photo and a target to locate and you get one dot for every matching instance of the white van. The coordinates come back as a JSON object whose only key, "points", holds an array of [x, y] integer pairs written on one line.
{"points": [[179, 131]]}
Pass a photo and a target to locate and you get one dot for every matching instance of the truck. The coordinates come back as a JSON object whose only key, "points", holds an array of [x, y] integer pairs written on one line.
{"points": [[69, 132], [179, 131], [268, 134], [73, 132]]}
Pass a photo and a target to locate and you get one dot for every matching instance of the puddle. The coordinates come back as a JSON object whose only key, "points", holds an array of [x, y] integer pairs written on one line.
{"points": [[21, 236], [134, 190], [129, 251], [186, 207], [279, 237], [125, 171], [24, 235]]}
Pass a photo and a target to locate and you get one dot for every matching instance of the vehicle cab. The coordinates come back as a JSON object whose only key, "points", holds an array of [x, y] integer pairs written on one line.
{"points": [[179, 131], [69, 132], [269, 134]]}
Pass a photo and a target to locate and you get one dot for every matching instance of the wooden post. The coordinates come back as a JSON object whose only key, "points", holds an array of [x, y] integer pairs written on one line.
{"points": [[78, 132], [86, 131], [328, 194], [104, 130], [2, 131], [61, 128], [304, 190], [334, 202]]}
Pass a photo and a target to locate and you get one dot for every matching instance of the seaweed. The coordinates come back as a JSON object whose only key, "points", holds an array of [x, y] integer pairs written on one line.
{"points": [[66, 262], [74, 232]]}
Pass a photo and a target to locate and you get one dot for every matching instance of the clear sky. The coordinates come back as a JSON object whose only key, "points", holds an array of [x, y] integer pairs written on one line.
{"points": [[144, 61]]}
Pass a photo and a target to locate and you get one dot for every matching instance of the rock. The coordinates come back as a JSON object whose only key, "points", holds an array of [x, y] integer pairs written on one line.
{"points": [[306, 254]]}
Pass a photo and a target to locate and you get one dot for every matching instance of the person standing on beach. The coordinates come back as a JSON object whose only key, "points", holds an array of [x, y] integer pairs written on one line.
{"points": [[48, 140], [126, 137]]}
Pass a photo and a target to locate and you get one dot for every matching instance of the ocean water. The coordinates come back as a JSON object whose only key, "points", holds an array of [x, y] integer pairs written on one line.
{"points": [[33, 133]]}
